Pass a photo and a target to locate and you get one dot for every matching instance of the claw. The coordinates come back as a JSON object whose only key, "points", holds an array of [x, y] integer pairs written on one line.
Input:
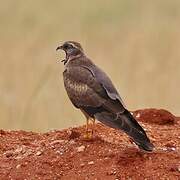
{"points": [[88, 135], [89, 132]]}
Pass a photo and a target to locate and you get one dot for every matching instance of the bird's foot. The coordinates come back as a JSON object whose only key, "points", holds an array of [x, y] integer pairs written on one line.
{"points": [[88, 135]]}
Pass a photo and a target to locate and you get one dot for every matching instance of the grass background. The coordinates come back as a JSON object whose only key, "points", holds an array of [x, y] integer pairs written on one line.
{"points": [[136, 42]]}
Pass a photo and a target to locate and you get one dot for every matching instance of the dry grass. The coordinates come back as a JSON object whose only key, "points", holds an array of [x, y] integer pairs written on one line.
{"points": [[135, 42]]}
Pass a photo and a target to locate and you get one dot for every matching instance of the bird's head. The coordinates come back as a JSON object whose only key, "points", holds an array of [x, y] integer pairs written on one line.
{"points": [[72, 49]]}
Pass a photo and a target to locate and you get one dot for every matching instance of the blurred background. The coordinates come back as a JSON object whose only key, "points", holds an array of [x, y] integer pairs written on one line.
{"points": [[137, 43]]}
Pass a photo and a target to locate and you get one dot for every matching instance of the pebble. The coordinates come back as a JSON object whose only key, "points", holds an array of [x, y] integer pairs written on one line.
{"points": [[178, 169], [72, 142], [60, 141], [138, 115], [82, 165], [18, 166], [81, 148], [38, 153], [59, 152], [175, 168], [91, 162], [164, 149], [112, 172], [8, 154]]}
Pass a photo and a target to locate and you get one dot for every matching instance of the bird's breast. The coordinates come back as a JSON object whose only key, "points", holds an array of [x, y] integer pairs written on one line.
{"points": [[77, 84], [74, 86]]}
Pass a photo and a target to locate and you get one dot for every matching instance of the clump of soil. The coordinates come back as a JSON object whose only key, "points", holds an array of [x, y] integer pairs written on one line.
{"points": [[109, 155], [156, 116]]}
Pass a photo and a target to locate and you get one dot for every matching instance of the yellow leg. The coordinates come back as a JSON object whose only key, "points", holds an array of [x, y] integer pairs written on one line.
{"points": [[87, 124], [89, 131], [92, 127]]}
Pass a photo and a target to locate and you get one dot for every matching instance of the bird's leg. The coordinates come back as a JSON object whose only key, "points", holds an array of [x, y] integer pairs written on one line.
{"points": [[87, 124], [92, 127], [90, 122], [88, 134]]}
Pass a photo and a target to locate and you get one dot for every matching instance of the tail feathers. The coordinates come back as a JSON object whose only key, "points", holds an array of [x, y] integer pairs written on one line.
{"points": [[129, 125]]}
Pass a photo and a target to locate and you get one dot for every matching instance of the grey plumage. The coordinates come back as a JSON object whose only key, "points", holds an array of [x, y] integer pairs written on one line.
{"points": [[92, 91]]}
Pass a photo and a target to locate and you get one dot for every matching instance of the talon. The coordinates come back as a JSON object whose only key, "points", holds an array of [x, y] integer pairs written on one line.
{"points": [[88, 135]]}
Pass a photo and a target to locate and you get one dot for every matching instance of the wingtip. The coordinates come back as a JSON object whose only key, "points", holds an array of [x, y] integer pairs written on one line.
{"points": [[146, 146]]}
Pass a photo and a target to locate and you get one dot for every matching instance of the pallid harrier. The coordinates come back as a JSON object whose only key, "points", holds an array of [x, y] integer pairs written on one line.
{"points": [[92, 91]]}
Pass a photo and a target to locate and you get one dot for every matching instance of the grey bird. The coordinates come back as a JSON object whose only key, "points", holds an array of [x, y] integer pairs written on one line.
{"points": [[92, 91]]}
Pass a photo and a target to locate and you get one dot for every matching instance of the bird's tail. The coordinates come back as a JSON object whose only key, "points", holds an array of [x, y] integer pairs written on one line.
{"points": [[126, 122]]}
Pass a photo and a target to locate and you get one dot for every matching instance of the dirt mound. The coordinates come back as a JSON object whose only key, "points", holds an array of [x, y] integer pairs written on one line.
{"points": [[156, 116], [110, 155]]}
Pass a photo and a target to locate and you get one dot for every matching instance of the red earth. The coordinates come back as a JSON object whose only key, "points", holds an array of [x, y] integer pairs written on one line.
{"points": [[65, 154]]}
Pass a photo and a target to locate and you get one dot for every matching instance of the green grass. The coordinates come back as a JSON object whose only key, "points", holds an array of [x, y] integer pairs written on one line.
{"points": [[135, 42]]}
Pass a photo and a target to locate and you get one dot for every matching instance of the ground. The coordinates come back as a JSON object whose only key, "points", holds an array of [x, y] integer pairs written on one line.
{"points": [[65, 154]]}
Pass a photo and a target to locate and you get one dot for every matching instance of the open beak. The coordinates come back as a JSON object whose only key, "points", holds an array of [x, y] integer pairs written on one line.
{"points": [[61, 48]]}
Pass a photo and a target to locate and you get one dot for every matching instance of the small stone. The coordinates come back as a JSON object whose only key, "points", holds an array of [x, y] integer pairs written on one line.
{"points": [[8, 154], [112, 172], [138, 115], [164, 149], [153, 139], [72, 141], [38, 153], [18, 166], [81, 148], [178, 168], [175, 168], [60, 141], [82, 164], [91, 162], [59, 152]]}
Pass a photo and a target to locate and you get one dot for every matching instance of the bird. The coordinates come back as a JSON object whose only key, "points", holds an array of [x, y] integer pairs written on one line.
{"points": [[91, 90]]}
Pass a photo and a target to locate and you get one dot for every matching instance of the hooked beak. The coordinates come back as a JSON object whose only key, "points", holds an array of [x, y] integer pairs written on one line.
{"points": [[59, 47]]}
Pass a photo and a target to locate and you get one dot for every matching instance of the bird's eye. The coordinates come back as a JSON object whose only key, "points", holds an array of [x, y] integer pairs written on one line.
{"points": [[68, 46]]}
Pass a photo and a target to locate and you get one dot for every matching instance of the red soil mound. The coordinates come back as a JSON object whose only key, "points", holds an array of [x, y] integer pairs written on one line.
{"points": [[156, 116], [110, 155]]}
